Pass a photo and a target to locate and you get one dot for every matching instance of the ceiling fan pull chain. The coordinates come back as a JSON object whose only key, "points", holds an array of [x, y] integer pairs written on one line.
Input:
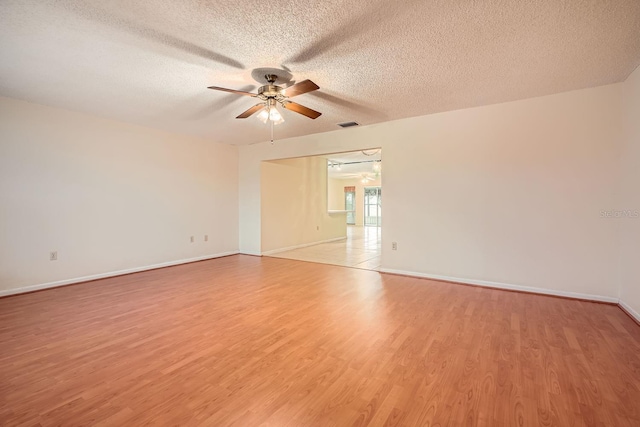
{"points": [[271, 131]]}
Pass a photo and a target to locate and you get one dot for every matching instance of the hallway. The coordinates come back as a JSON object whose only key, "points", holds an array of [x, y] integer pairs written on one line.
{"points": [[361, 249]]}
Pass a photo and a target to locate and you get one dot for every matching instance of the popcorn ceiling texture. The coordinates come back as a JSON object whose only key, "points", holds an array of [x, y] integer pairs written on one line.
{"points": [[149, 62]]}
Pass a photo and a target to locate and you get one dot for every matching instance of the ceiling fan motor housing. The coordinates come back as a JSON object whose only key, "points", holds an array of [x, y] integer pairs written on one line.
{"points": [[270, 91]]}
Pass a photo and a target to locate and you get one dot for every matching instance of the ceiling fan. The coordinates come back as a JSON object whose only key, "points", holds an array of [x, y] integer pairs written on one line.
{"points": [[271, 95]]}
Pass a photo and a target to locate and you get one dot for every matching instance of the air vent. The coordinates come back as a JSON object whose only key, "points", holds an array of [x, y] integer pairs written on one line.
{"points": [[348, 124]]}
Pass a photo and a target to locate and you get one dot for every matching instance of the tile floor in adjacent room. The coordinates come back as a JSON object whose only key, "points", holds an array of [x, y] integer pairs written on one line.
{"points": [[361, 249]]}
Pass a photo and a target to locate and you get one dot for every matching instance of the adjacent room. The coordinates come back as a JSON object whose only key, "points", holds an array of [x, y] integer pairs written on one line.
{"points": [[335, 213], [325, 209]]}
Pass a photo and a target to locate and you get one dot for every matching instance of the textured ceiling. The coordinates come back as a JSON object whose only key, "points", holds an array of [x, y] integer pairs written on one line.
{"points": [[149, 62]]}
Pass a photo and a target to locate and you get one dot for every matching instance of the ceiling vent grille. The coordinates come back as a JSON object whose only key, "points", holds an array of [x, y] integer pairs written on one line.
{"points": [[348, 124]]}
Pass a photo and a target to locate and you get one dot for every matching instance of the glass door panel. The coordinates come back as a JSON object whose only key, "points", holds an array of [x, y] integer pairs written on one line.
{"points": [[373, 206], [350, 206]]}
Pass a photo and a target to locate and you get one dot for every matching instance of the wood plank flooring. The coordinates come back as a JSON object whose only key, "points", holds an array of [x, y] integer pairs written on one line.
{"points": [[361, 249], [251, 341]]}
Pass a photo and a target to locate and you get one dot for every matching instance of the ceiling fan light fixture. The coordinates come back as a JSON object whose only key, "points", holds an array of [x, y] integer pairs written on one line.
{"points": [[275, 116], [263, 115], [270, 113]]}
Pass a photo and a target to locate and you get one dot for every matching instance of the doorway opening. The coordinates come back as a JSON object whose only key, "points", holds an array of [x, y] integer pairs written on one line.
{"points": [[325, 209]]}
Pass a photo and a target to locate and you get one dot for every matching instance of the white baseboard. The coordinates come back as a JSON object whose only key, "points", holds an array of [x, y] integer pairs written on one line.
{"points": [[252, 253], [32, 288], [290, 248], [484, 283], [505, 286], [630, 311]]}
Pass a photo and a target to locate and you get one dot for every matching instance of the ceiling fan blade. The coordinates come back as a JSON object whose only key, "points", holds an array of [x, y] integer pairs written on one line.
{"points": [[251, 111], [300, 88], [237, 92], [301, 109]]}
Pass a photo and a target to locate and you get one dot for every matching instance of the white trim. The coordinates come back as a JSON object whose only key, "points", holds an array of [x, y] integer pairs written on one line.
{"points": [[630, 311], [250, 253], [506, 286], [497, 285], [32, 288], [290, 248]]}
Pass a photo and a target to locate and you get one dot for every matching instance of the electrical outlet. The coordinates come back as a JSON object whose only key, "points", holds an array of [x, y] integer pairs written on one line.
{"points": [[53, 256], [192, 239], [394, 246], [206, 238]]}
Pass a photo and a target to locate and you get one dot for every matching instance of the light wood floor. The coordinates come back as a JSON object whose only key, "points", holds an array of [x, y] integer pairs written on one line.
{"points": [[361, 249], [254, 341]]}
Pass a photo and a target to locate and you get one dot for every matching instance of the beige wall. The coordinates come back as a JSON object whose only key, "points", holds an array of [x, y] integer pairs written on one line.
{"points": [[629, 226], [506, 195], [108, 196], [294, 204], [336, 195]]}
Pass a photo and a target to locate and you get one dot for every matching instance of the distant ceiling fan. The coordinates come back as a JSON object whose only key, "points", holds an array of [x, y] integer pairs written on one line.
{"points": [[272, 95]]}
